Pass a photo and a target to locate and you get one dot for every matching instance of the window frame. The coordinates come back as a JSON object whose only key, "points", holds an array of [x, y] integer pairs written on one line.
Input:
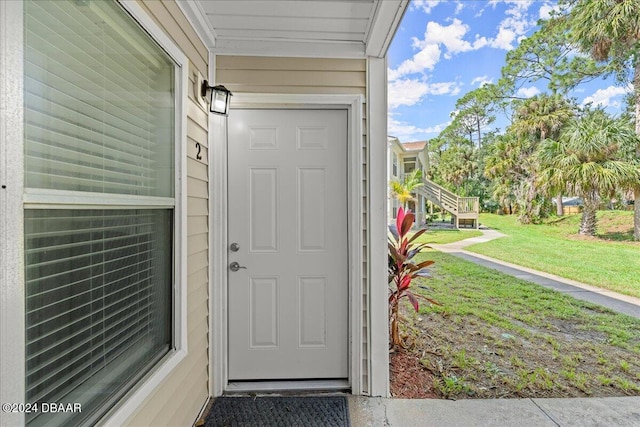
{"points": [[407, 161], [15, 198]]}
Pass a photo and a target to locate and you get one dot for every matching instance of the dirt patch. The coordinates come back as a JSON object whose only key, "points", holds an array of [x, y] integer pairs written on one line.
{"points": [[610, 228], [409, 378], [457, 357], [607, 237]]}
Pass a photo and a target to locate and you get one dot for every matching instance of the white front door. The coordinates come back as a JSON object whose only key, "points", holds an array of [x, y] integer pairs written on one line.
{"points": [[289, 295]]}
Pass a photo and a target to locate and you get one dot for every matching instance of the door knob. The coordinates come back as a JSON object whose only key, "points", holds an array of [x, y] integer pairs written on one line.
{"points": [[234, 266], [234, 247]]}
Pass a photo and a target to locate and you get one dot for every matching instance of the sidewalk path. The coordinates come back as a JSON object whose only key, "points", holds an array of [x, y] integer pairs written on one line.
{"points": [[578, 412], [617, 302]]}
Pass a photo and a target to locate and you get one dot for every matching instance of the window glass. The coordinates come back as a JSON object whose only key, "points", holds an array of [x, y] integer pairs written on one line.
{"points": [[100, 117], [97, 303], [99, 105], [409, 164], [409, 167]]}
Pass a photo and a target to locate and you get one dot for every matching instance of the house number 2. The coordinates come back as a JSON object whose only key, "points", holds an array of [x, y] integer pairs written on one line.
{"points": [[199, 148]]}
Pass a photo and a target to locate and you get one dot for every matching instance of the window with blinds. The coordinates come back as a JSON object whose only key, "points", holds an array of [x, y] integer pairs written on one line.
{"points": [[99, 108], [100, 114]]}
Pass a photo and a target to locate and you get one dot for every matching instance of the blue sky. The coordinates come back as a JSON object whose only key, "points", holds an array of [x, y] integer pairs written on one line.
{"points": [[444, 49]]}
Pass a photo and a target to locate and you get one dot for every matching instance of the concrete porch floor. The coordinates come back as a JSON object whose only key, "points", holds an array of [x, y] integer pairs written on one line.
{"points": [[578, 412]]}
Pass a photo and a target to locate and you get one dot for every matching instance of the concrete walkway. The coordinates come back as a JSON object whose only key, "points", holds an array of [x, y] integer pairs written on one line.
{"points": [[578, 412], [612, 300]]}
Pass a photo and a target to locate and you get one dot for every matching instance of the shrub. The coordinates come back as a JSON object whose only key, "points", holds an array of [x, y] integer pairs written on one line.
{"points": [[402, 269]]}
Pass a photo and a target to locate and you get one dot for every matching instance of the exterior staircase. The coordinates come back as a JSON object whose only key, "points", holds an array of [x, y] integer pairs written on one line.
{"points": [[465, 210]]}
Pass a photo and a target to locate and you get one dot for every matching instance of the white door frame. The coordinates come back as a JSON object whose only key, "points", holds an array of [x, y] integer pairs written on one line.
{"points": [[218, 363]]}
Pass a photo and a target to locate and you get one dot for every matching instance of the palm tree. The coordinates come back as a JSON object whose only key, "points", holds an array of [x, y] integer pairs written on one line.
{"points": [[610, 31], [542, 117], [588, 157], [504, 166], [403, 191]]}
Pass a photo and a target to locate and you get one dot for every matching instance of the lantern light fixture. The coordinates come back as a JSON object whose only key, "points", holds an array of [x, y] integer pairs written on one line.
{"points": [[219, 98]]}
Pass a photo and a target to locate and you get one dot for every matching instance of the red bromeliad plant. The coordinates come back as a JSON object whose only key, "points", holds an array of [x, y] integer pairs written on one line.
{"points": [[402, 270]]}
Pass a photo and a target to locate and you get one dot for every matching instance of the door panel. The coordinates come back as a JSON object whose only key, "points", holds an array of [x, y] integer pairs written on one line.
{"points": [[311, 205], [263, 209], [288, 306]]}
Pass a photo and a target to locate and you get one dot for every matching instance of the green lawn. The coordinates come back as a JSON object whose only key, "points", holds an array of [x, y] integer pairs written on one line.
{"points": [[496, 336], [440, 237], [611, 261]]}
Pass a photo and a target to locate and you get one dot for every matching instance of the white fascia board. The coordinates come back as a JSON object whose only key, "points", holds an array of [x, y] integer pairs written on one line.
{"points": [[196, 16], [384, 22], [290, 48]]}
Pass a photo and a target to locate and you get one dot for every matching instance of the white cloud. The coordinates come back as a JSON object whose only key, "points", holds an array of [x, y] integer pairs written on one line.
{"points": [[451, 36], [429, 51], [510, 31], [523, 4], [425, 5], [504, 39], [480, 42], [426, 59], [411, 91], [446, 88], [514, 26], [546, 9], [528, 92], [408, 132], [406, 92], [482, 80], [604, 97]]}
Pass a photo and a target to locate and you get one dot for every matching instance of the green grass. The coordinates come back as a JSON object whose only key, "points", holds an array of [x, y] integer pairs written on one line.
{"points": [[611, 261], [468, 289], [498, 336], [440, 237]]}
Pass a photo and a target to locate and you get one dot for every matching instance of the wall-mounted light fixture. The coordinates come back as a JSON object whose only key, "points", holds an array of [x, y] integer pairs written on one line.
{"points": [[219, 98]]}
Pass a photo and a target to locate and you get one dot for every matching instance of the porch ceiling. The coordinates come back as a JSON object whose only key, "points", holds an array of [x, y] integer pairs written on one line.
{"points": [[312, 28]]}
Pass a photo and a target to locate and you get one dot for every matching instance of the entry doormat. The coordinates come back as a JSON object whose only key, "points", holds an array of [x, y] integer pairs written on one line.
{"points": [[279, 411]]}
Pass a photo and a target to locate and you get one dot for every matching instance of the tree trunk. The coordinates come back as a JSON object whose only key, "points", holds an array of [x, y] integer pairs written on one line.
{"points": [[529, 216], [588, 222], [559, 205], [636, 190], [636, 212]]}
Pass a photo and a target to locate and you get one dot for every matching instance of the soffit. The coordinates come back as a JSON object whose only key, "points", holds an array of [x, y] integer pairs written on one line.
{"points": [[311, 28]]}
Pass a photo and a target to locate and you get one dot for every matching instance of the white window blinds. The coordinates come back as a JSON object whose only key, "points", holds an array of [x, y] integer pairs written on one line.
{"points": [[98, 302], [99, 107], [100, 118]]}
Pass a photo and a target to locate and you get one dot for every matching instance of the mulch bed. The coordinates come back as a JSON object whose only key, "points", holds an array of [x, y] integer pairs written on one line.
{"points": [[409, 379]]}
